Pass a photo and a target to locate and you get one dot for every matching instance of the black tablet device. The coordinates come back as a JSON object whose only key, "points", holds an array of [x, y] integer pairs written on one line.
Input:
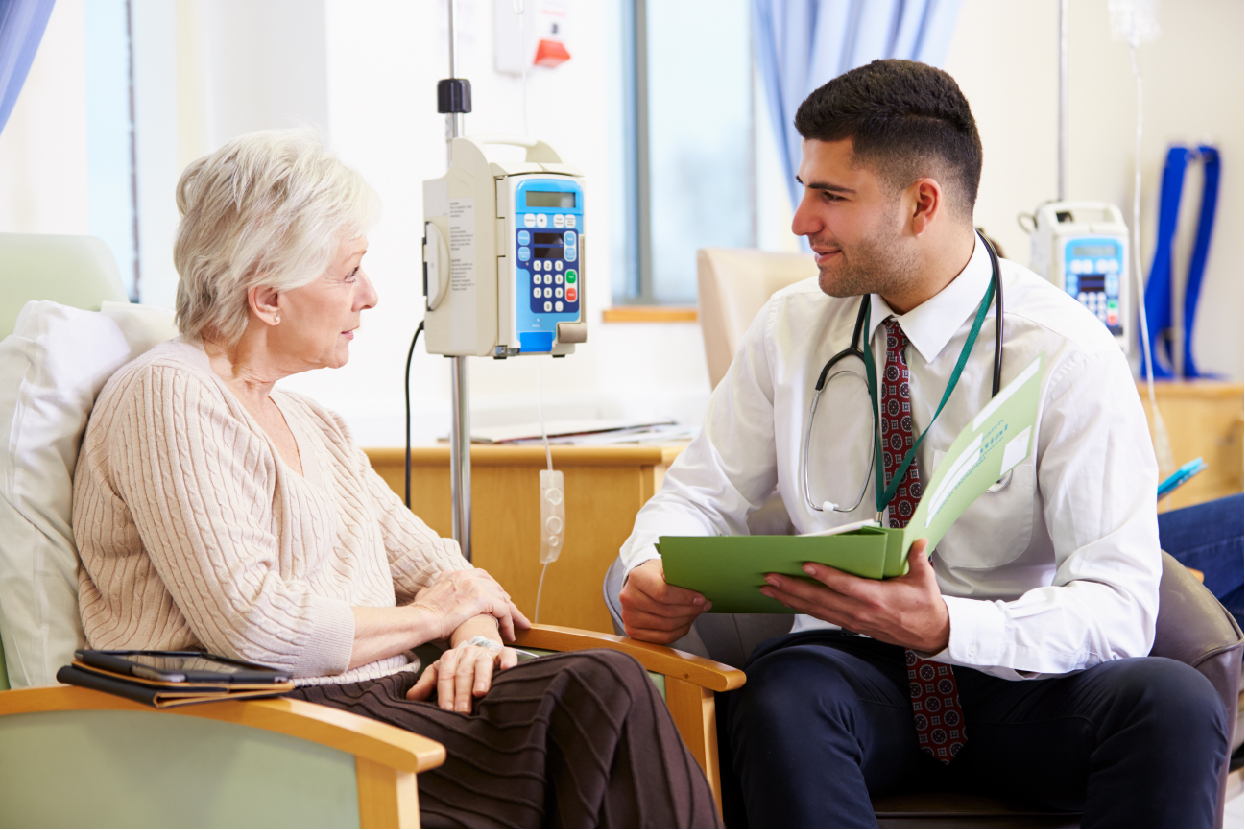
{"points": [[180, 667]]}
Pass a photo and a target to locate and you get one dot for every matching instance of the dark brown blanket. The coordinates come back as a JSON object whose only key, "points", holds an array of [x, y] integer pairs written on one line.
{"points": [[569, 740]]}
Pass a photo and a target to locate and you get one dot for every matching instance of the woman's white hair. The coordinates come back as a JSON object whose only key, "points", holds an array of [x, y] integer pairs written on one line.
{"points": [[268, 209]]}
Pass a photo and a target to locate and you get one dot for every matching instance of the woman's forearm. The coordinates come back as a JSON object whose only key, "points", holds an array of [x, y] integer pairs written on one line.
{"points": [[380, 633], [482, 625]]}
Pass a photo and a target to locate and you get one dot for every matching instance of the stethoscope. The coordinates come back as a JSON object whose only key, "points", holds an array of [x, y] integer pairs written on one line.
{"points": [[860, 350]]}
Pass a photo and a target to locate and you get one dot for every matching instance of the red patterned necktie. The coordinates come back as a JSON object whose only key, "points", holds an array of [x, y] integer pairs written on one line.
{"points": [[936, 708]]}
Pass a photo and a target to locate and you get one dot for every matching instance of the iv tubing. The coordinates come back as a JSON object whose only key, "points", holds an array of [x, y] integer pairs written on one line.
{"points": [[519, 11], [1162, 445], [540, 416]]}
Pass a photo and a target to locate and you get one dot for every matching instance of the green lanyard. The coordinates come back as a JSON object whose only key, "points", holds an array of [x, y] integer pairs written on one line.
{"points": [[883, 497]]}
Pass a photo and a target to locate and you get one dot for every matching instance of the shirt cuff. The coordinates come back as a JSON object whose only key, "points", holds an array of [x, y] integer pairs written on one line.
{"points": [[330, 641], [977, 633], [646, 553]]}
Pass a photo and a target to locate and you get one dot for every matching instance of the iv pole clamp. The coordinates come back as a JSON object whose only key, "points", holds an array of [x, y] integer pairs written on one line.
{"points": [[454, 99]]}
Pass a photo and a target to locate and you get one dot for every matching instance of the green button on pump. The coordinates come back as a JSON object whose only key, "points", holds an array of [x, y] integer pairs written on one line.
{"points": [[571, 277]]}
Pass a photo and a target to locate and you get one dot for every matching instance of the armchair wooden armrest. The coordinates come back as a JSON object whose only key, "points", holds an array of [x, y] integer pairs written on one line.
{"points": [[387, 759], [690, 684]]}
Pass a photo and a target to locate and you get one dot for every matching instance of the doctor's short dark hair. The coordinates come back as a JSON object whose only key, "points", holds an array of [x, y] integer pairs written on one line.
{"points": [[907, 120]]}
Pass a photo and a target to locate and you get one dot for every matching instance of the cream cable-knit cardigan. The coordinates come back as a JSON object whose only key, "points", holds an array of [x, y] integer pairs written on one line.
{"points": [[195, 534]]}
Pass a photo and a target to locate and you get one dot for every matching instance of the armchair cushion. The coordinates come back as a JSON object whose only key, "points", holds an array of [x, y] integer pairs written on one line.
{"points": [[51, 369], [1192, 626]]}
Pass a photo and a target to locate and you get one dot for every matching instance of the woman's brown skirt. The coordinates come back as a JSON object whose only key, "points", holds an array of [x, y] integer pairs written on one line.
{"points": [[569, 740]]}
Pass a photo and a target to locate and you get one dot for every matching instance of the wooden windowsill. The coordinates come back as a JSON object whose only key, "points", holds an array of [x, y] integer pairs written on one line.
{"points": [[650, 314]]}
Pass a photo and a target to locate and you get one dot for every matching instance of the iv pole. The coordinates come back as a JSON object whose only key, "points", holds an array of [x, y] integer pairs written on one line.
{"points": [[454, 99], [1061, 185]]}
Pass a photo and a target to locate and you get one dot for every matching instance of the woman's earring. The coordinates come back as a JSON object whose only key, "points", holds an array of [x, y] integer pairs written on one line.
{"points": [[276, 320]]}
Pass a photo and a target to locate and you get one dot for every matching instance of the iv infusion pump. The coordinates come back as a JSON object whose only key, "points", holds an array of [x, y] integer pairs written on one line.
{"points": [[504, 252], [1082, 247]]}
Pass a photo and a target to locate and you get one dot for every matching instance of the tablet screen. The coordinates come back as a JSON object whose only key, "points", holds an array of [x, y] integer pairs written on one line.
{"points": [[181, 664]]}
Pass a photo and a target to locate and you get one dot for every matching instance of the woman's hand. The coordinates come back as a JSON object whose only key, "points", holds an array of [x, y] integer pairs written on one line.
{"points": [[457, 596], [462, 673]]}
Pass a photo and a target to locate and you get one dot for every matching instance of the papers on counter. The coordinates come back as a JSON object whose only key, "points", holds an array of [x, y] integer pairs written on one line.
{"points": [[586, 431]]}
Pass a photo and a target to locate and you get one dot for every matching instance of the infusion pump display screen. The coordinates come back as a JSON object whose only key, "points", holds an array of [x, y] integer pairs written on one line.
{"points": [[547, 245], [549, 198]]}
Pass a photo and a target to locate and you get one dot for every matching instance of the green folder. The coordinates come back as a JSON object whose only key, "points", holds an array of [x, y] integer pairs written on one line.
{"points": [[730, 570]]}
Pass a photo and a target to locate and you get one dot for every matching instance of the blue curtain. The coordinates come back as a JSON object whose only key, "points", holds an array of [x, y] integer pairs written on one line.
{"points": [[801, 44], [21, 28]]}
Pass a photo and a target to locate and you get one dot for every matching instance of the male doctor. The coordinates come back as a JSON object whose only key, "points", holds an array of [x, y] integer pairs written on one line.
{"points": [[1010, 660]]}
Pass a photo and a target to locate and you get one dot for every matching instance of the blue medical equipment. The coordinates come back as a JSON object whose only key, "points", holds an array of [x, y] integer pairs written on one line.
{"points": [[543, 263], [1158, 298]]}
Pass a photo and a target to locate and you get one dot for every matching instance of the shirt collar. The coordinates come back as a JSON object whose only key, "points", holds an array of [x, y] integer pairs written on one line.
{"points": [[931, 325]]}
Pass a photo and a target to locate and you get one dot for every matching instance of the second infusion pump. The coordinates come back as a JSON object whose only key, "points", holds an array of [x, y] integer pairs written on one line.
{"points": [[1082, 247], [504, 252]]}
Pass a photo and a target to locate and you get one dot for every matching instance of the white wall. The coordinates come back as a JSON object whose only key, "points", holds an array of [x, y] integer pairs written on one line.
{"points": [[1004, 56]]}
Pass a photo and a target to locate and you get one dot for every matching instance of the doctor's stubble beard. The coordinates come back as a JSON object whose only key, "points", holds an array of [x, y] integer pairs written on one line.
{"points": [[878, 265]]}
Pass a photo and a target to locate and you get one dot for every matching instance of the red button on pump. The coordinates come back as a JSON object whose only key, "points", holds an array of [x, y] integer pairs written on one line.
{"points": [[571, 294]]}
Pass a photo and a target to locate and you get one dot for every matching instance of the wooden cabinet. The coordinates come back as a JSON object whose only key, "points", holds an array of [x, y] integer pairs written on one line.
{"points": [[605, 488], [1203, 418]]}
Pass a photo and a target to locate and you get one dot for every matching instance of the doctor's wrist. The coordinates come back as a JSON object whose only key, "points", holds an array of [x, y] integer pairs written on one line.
{"points": [[937, 638]]}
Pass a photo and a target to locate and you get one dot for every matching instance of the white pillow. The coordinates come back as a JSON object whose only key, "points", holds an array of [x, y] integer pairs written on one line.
{"points": [[51, 369]]}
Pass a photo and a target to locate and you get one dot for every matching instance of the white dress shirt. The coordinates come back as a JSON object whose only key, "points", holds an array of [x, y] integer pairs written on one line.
{"points": [[1055, 573]]}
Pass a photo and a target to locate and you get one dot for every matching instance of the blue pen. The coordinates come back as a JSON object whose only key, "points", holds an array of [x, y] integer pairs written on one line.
{"points": [[1182, 475]]}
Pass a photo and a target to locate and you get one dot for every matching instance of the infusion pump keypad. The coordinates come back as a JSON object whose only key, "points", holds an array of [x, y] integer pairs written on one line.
{"points": [[548, 251], [1093, 268]]}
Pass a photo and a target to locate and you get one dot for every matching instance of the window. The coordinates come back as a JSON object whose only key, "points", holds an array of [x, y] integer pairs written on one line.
{"points": [[688, 144]]}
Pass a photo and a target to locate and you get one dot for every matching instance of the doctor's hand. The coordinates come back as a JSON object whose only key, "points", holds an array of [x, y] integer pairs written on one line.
{"points": [[906, 610], [655, 611]]}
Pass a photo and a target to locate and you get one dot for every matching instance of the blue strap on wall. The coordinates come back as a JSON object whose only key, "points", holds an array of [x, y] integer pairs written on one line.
{"points": [[1159, 284], [1201, 247], [1158, 294]]}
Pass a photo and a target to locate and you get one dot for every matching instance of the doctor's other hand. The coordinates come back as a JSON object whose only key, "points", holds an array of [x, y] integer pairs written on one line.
{"points": [[457, 596], [906, 610], [657, 612], [461, 674]]}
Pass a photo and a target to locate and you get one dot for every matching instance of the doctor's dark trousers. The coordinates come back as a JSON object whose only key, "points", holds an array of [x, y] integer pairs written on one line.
{"points": [[824, 722]]}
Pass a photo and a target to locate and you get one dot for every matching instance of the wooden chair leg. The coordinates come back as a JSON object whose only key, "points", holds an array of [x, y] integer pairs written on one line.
{"points": [[692, 708], [388, 797]]}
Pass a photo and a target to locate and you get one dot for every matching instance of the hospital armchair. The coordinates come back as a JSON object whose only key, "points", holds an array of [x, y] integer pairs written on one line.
{"points": [[77, 757], [1192, 626]]}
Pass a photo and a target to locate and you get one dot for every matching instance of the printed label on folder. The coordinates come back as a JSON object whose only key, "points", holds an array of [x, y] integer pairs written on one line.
{"points": [[994, 442], [1017, 450]]}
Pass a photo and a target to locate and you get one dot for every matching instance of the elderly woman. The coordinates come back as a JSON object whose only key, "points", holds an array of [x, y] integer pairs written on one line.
{"points": [[214, 511]]}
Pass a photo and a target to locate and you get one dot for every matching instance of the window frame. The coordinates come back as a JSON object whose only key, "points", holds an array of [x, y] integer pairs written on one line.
{"points": [[638, 287]]}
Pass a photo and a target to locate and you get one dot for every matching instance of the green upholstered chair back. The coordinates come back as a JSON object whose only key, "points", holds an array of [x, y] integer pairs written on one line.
{"points": [[74, 270]]}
